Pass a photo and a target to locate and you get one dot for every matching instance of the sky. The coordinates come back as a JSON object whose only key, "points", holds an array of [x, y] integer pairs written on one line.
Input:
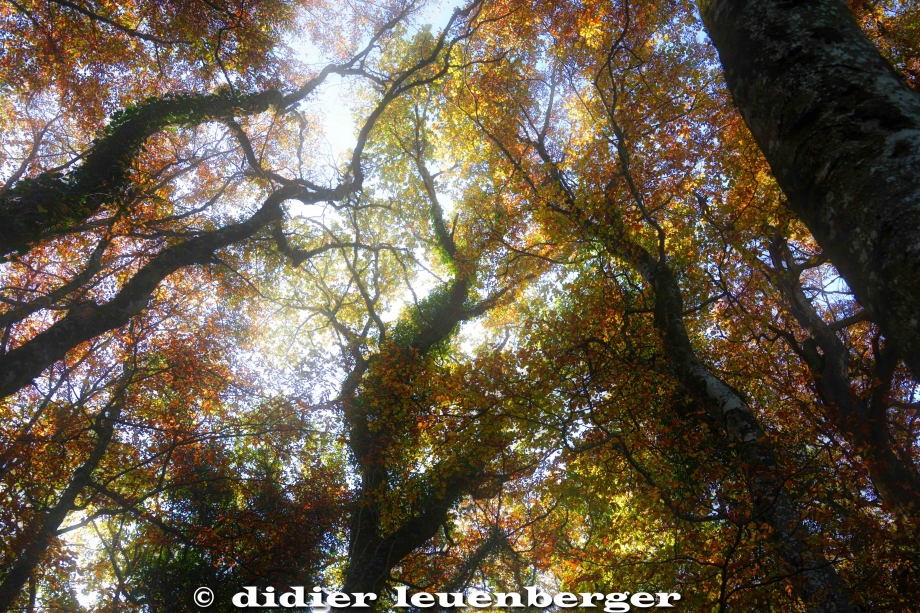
{"points": [[335, 109], [334, 104]]}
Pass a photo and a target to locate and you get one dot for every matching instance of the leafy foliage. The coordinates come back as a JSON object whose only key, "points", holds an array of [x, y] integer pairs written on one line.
{"points": [[549, 321]]}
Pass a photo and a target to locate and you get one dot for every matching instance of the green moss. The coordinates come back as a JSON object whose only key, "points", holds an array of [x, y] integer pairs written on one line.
{"points": [[53, 200]]}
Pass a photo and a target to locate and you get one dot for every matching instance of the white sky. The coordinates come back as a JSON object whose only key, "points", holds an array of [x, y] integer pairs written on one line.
{"points": [[334, 107]]}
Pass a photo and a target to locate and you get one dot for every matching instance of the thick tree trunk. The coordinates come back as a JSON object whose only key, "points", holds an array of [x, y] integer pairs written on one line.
{"points": [[34, 206], [374, 551], [816, 581], [841, 132]]}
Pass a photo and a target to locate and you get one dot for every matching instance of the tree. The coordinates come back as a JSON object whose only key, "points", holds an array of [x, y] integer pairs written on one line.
{"points": [[541, 148], [838, 126], [121, 180], [551, 321]]}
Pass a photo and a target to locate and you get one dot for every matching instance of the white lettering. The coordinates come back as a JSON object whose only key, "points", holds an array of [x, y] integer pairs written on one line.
{"points": [[565, 599], [401, 601], [316, 601], [616, 602], [454, 599], [292, 599], [537, 598], [643, 600], [501, 599], [322, 602], [247, 598], [361, 598], [422, 600], [478, 599], [338, 599], [665, 599]]}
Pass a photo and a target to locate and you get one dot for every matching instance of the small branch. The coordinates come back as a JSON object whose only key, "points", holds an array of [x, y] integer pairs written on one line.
{"points": [[846, 322]]}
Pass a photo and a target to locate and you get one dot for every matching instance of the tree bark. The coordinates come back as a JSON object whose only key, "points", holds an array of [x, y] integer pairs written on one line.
{"points": [[34, 206], [862, 420], [816, 581], [373, 553], [88, 320], [841, 131], [373, 550], [21, 572]]}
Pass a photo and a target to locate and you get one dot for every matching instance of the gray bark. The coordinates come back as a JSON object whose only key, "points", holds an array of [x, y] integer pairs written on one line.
{"points": [[841, 132], [816, 581]]}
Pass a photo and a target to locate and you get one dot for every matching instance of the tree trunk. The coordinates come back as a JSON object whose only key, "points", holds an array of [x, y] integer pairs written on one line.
{"points": [[21, 365], [47, 526], [34, 206], [862, 420], [816, 582], [841, 132]]}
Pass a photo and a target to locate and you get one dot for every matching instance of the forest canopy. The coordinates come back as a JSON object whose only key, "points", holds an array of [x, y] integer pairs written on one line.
{"points": [[411, 296]]}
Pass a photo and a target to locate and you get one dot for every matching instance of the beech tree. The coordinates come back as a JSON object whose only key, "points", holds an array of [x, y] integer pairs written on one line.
{"points": [[538, 143], [838, 126], [560, 316]]}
